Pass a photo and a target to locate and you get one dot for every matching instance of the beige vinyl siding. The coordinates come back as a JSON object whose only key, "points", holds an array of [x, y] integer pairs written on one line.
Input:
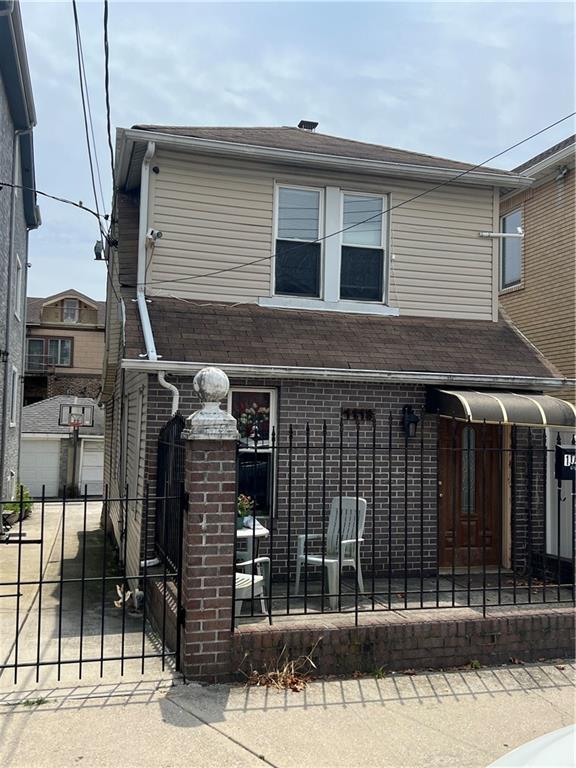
{"points": [[543, 307], [215, 214]]}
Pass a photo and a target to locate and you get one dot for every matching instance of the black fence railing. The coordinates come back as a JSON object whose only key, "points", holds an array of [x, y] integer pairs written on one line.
{"points": [[393, 516], [170, 490], [73, 596]]}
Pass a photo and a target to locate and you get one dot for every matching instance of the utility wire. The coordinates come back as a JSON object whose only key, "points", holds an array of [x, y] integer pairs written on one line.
{"points": [[298, 246], [84, 110], [78, 204], [107, 91]]}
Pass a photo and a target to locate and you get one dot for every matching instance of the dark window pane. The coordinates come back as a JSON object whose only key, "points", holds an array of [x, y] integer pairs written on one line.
{"points": [[361, 273], [297, 268], [254, 475]]}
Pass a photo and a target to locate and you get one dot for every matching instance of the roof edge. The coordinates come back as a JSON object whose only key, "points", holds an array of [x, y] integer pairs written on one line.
{"points": [[350, 374], [129, 136]]}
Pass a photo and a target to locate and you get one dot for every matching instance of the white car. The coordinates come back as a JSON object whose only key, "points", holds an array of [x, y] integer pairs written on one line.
{"points": [[553, 750]]}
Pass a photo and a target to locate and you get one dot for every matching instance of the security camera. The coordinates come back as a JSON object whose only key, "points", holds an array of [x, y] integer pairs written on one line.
{"points": [[154, 234]]}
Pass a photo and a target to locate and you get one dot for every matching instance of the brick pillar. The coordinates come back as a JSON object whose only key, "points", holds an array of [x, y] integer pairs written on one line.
{"points": [[208, 546]]}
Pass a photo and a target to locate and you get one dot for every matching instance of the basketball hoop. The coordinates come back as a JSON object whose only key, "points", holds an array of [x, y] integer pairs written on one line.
{"points": [[74, 415], [75, 422]]}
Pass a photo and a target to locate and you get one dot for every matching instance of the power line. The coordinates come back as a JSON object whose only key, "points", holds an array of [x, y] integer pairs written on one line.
{"points": [[83, 98], [107, 91], [370, 218], [78, 204]]}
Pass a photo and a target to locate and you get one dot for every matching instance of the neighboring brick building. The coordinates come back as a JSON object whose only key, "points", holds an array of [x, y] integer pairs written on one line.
{"points": [[65, 346], [537, 289], [18, 215]]}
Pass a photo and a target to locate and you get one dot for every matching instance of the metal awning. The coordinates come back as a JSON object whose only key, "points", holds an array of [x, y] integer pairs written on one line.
{"points": [[501, 407]]}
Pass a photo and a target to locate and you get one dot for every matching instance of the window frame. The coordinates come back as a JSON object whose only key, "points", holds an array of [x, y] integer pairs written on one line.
{"points": [[77, 310], [278, 185], [517, 284], [264, 448], [13, 397], [59, 339], [18, 289], [384, 242]]}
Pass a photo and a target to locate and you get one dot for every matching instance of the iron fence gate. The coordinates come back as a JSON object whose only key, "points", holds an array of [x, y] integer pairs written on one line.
{"points": [[363, 515], [169, 489], [74, 601]]}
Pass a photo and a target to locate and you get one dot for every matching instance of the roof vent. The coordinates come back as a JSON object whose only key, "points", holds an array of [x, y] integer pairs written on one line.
{"points": [[307, 125]]}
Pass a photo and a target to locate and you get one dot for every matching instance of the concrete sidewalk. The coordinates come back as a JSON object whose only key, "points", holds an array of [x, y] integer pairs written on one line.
{"points": [[458, 718]]}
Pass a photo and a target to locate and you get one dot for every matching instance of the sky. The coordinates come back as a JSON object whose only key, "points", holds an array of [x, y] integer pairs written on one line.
{"points": [[462, 80]]}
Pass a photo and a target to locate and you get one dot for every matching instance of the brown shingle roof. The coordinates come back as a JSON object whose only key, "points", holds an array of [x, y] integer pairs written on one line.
{"points": [[300, 140], [547, 153], [256, 335]]}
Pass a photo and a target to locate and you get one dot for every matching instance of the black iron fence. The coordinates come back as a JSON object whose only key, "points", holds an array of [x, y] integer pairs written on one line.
{"points": [[169, 489], [74, 597], [356, 516]]}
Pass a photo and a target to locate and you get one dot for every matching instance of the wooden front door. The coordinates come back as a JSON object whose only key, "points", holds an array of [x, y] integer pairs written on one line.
{"points": [[470, 495]]}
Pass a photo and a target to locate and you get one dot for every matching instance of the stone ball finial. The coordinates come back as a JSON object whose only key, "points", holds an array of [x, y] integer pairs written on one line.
{"points": [[211, 385]]}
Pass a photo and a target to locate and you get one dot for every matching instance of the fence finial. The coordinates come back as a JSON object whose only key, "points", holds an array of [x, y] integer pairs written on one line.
{"points": [[211, 422]]}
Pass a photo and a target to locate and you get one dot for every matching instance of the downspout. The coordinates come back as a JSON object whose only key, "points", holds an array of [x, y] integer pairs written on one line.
{"points": [[145, 242]]}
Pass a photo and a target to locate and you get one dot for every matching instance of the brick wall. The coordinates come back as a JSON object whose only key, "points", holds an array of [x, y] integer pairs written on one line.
{"points": [[78, 385], [398, 642], [208, 557]]}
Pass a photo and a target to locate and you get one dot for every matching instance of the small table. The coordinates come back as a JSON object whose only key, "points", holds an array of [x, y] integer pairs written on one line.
{"points": [[249, 535]]}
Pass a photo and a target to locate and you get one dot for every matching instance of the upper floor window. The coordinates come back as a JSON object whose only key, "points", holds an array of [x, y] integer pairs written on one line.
{"points": [[70, 310], [60, 352], [511, 250], [14, 397], [349, 263], [19, 289], [362, 262], [298, 256]]}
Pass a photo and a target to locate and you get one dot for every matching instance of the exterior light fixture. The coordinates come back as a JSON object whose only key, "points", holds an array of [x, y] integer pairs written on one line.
{"points": [[409, 421]]}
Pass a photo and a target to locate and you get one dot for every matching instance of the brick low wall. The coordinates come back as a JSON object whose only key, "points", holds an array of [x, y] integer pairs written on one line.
{"points": [[394, 642]]}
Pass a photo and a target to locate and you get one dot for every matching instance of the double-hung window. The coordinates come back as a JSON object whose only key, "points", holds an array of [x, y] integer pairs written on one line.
{"points": [[362, 258], [298, 252], [70, 310], [60, 352], [511, 250], [330, 246]]}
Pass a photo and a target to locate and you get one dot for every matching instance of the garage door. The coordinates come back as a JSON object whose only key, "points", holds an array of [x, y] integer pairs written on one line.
{"points": [[39, 465], [92, 470]]}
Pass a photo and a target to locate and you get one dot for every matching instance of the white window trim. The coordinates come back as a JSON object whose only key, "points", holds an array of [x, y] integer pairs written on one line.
{"points": [[18, 287], [77, 310], [278, 185], [512, 286], [331, 211], [273, 411], [14, 396], [383, 241]]}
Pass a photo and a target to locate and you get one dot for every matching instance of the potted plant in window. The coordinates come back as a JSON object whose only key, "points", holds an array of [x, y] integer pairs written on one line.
{"points": [[244, 508]]}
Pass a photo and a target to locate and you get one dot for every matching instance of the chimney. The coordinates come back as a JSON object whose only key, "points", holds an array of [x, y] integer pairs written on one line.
{"points": [[307, 125]]}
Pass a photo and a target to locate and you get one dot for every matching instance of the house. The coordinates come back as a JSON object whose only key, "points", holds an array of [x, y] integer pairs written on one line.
{"points": [[350, 293], [538, 271], [18, 216], [56, 458], [64, 346]]}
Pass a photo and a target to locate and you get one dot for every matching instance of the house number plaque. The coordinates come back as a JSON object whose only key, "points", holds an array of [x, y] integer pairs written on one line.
{"points": [[358, 414], [565, 463]]}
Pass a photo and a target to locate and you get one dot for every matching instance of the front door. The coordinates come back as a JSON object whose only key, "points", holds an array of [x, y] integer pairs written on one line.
{"points": [[470, 494]]}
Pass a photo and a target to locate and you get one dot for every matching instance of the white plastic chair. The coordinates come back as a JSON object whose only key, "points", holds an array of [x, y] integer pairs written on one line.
{"points": [[251, 585], [337, 555]]}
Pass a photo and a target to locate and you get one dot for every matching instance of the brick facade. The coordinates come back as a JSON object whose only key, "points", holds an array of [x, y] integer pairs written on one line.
{"points": [[420, 640], [208, 557]]}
